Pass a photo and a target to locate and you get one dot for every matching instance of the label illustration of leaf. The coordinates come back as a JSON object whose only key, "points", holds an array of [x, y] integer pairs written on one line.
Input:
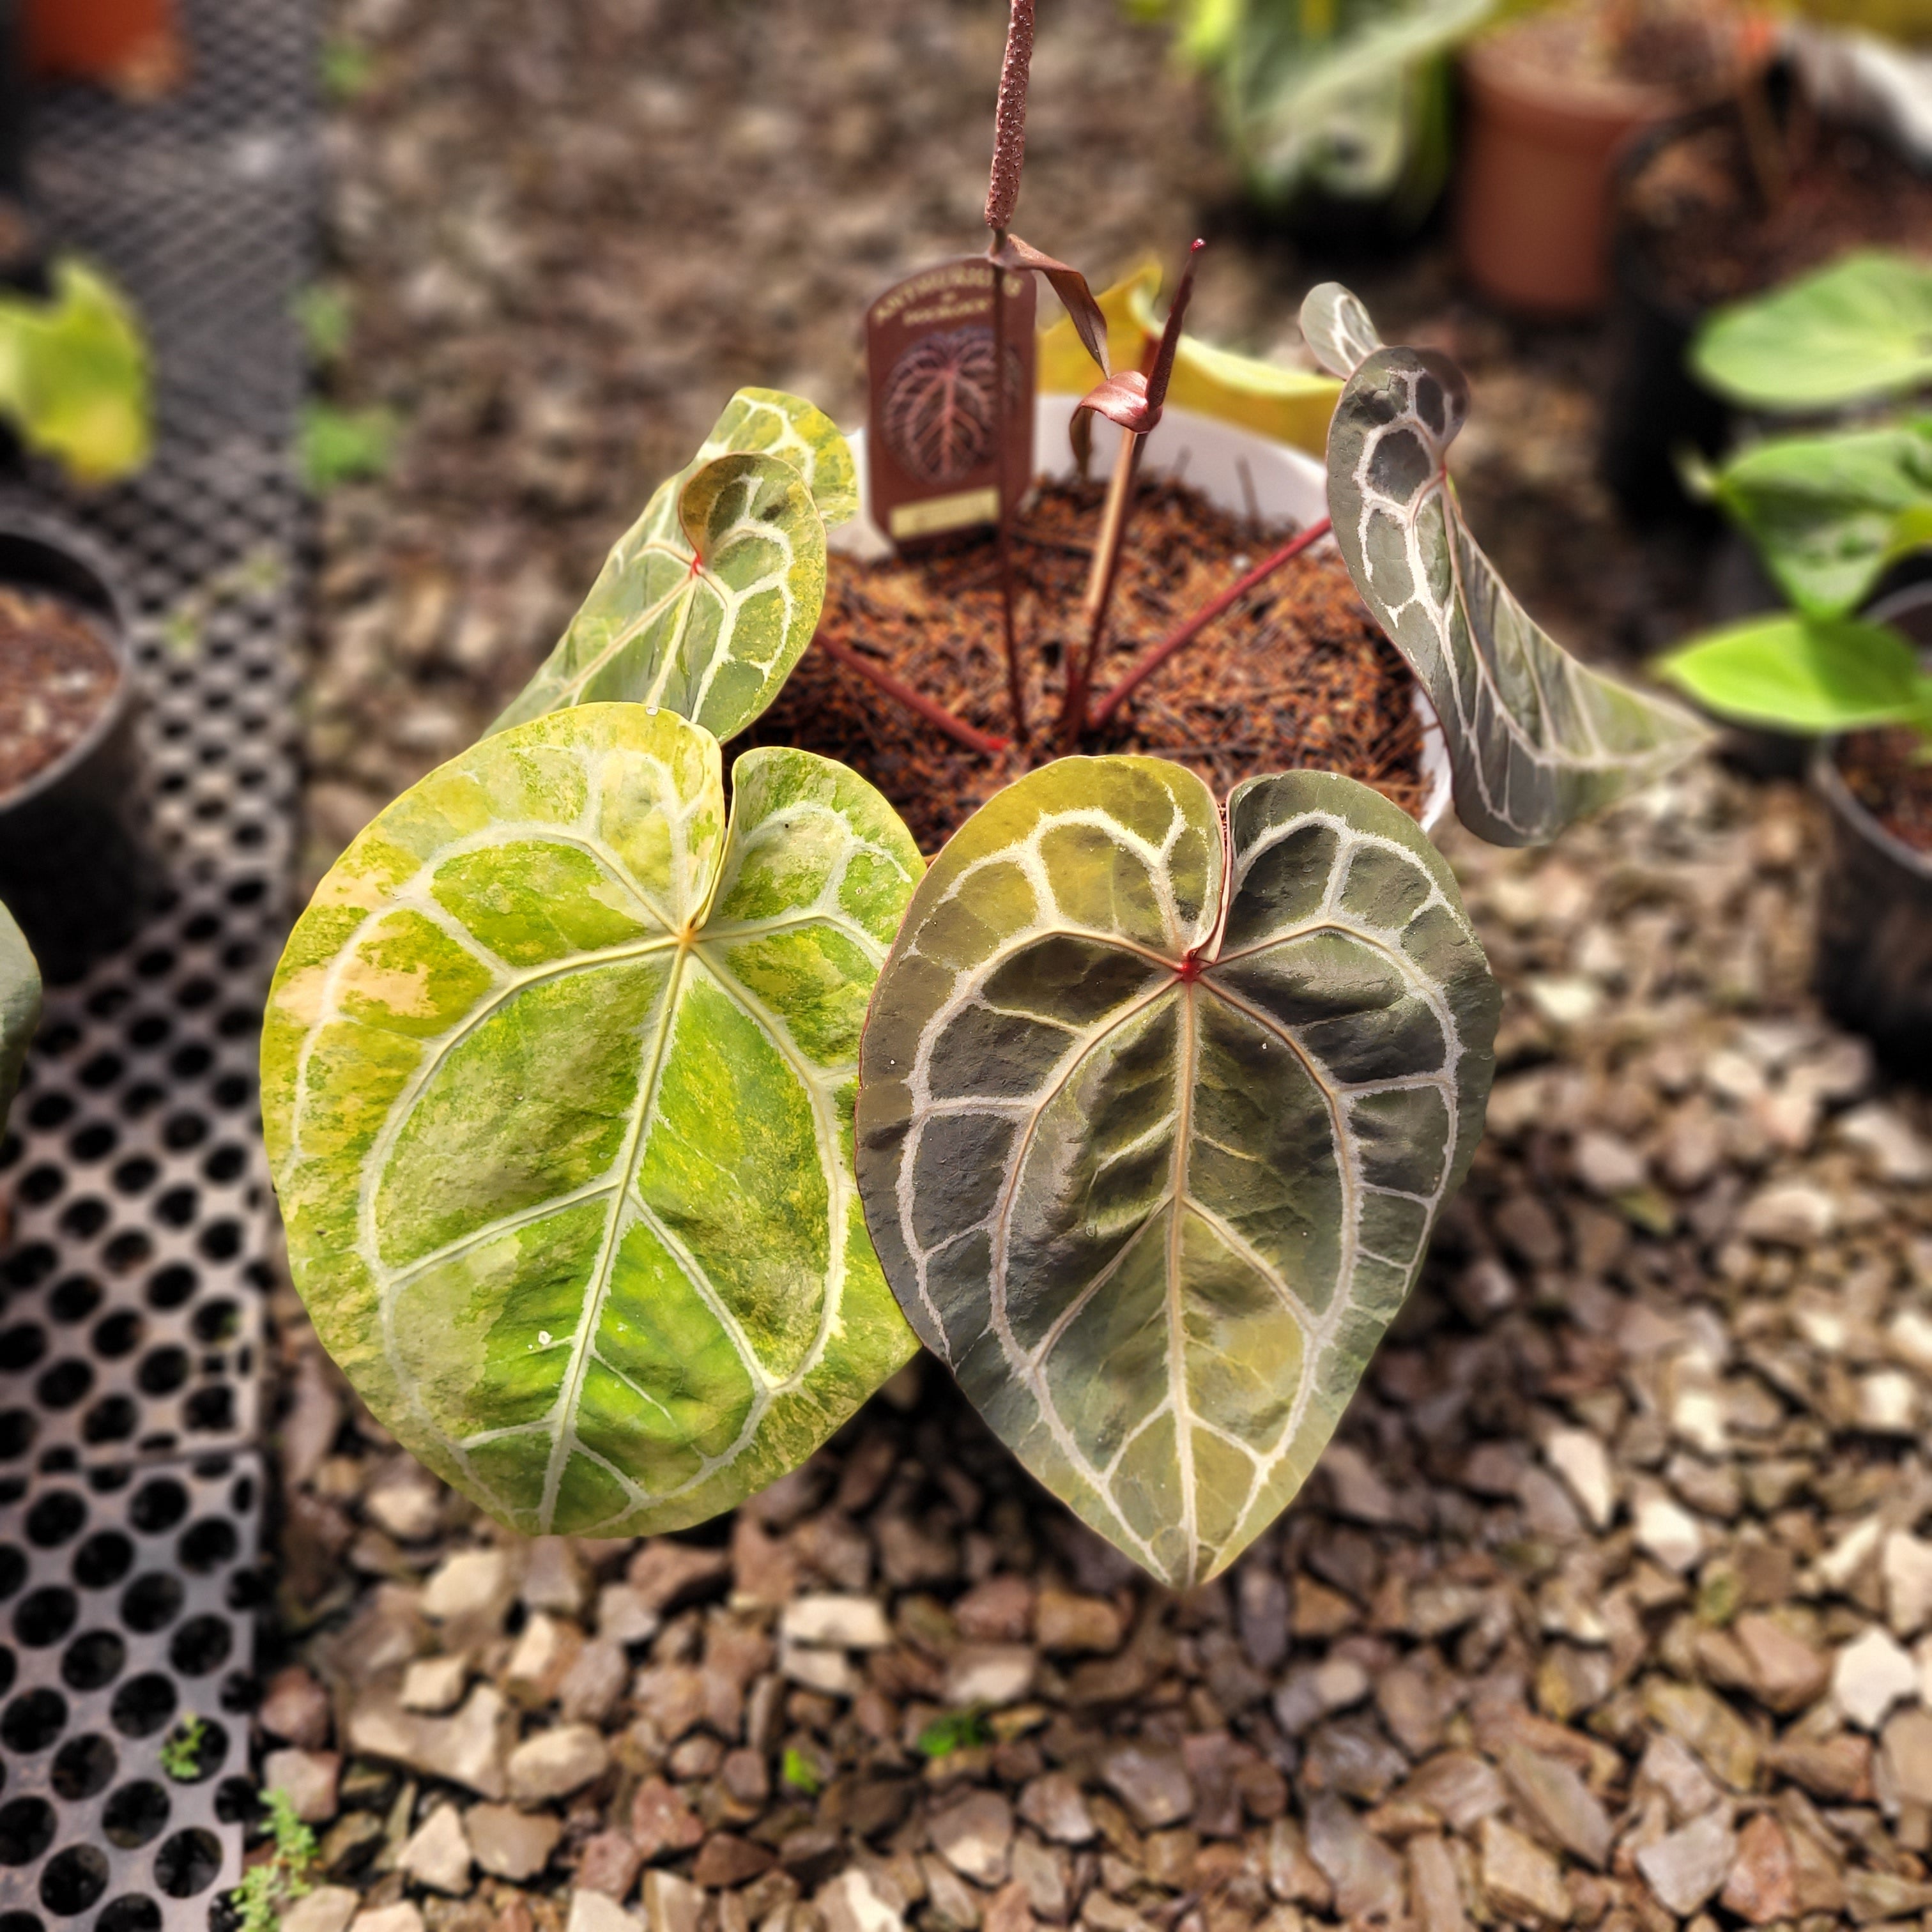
{"points": [[1152, 1132], [937, 410], [557, 1075], [19, 1006], [1335, 325], [769, 422], [705, 603], [1535, 738]]}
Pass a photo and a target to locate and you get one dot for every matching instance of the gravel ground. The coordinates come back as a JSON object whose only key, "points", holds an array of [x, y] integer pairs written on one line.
{"points": [[1608, 1606]]}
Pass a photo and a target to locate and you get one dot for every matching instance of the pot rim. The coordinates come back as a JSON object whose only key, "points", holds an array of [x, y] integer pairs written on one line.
{"points": [[1829, 782], [77, 549], [1296, 481]]}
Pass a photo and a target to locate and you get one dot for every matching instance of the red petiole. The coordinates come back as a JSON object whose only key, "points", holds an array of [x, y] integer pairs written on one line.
{"points": [[955, 728]]}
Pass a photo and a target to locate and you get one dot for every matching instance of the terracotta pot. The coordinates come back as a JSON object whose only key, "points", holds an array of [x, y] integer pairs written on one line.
{"points": [[130, 44], [1533, 194]]}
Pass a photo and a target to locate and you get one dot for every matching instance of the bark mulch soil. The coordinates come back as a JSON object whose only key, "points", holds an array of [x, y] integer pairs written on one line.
{"points": [[1297, 675], [1696, 214], [56, 675], [1889, 774]]}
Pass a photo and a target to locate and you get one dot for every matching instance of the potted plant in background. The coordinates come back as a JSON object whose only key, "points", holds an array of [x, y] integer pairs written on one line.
{"points": [[1699, 225], [1338, 116], [1552, 99], [134, 46], [20, 1007], [625, 1135], [1837, 516]]}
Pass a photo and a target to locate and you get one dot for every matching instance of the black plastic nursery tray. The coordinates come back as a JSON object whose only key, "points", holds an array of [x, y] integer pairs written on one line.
{"points": [[131, 1288]]}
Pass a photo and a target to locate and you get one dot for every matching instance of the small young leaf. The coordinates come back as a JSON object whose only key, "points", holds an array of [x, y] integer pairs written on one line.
{"points": [[341, 445], [1803, 674], [1535, 738], [1337, 329], [20, 1007], [956, 1731], [1860, 328], [1828, 514], [1153, 1125], [706, 602], [557, 1072]]}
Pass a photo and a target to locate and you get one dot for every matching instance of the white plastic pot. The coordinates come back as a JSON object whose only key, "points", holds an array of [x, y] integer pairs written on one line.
{"points": [[1280, 485]]}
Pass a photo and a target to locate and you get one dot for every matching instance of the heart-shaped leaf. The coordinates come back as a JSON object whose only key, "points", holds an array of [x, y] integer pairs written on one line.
{"points": [[707, 602], [1152, 1133], [1861, 328], [557, 1075], [20, 1007], [1336, 326], [1535, 738], [1828, 513]]}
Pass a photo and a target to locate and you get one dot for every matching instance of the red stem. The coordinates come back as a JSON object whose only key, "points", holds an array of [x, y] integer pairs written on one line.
{"points": [[956, 728], [1149, 661], [1015, 683]]}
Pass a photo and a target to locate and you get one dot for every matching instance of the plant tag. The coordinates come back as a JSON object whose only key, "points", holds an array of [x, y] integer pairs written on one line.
{"points": [[933, 465]]}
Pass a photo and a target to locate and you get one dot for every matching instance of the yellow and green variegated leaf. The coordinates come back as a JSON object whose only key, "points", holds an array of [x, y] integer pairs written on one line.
{"points": [[1535, 738], [1154, 1121], [705, 603], [557, 1083], [769, 422], [20, 1007]]}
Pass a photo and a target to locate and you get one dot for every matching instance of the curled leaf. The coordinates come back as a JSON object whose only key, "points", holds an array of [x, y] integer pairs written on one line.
{"points": [[557, 1072], [1535, 738], [1132, 399], [1337, 329], [1153, 1123], [75, 377], [20, 1007], [1069, 285], [708, 601]]}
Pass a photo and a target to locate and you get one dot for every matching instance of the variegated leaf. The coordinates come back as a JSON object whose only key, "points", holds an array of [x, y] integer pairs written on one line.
{"points": [[20, 1007], [1152, 1129], [557, 1079], [707, 602], [1336, 326], [1535, 738]]}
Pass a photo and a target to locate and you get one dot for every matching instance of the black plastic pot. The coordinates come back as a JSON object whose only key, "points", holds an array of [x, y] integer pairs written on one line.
{"points": [[1654, 406], [1874, 964], [75, 868]]}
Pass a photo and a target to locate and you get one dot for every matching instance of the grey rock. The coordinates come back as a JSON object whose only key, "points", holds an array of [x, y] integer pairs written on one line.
{"points": [[1153, 1785], [438, 1855], [974, 1835], [554, 1763], [1052, 1804], [510, 1844], [1367, 1876], [1686, 1869], [309, 1777]]}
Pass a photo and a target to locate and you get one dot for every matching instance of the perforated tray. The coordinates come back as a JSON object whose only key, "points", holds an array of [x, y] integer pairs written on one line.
{"points": [[130, 1293], [126, 1595]]}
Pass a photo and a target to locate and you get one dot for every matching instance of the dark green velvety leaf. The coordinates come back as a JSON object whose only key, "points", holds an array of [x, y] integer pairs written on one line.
{"points": [[20, 1007], [557, 1081], [1804, 674], [1535, 738], [1860, 328], [1828, 514], [1153, 1127], [706, 602]]}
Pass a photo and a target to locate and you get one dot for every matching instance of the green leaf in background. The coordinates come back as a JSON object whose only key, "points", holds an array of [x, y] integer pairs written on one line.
{"points": [[1346, 97], [708, 601], [341, 445], [20, 1007], [1860, 329], [1828, 514], [1535, 738], [557, 1078], [1804, 674], [74, 375], [1150, 1153]]}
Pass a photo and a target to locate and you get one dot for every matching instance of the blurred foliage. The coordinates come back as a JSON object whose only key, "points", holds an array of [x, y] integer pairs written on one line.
{"points": [[1292, 406], [20, 1007], [1330, 100], [347, 68], [323, 314], [956, 1731], [75, 378], [341, 445]]}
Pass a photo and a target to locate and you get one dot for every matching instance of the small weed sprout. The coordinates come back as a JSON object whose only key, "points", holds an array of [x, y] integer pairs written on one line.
{"points": [[798, 1773], [268, 1888], [181, 1750], [957, 1731]]}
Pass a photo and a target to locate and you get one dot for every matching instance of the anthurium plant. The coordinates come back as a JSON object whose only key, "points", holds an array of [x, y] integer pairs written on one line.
{"points": [[1828, 512], [632, 1123]]}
